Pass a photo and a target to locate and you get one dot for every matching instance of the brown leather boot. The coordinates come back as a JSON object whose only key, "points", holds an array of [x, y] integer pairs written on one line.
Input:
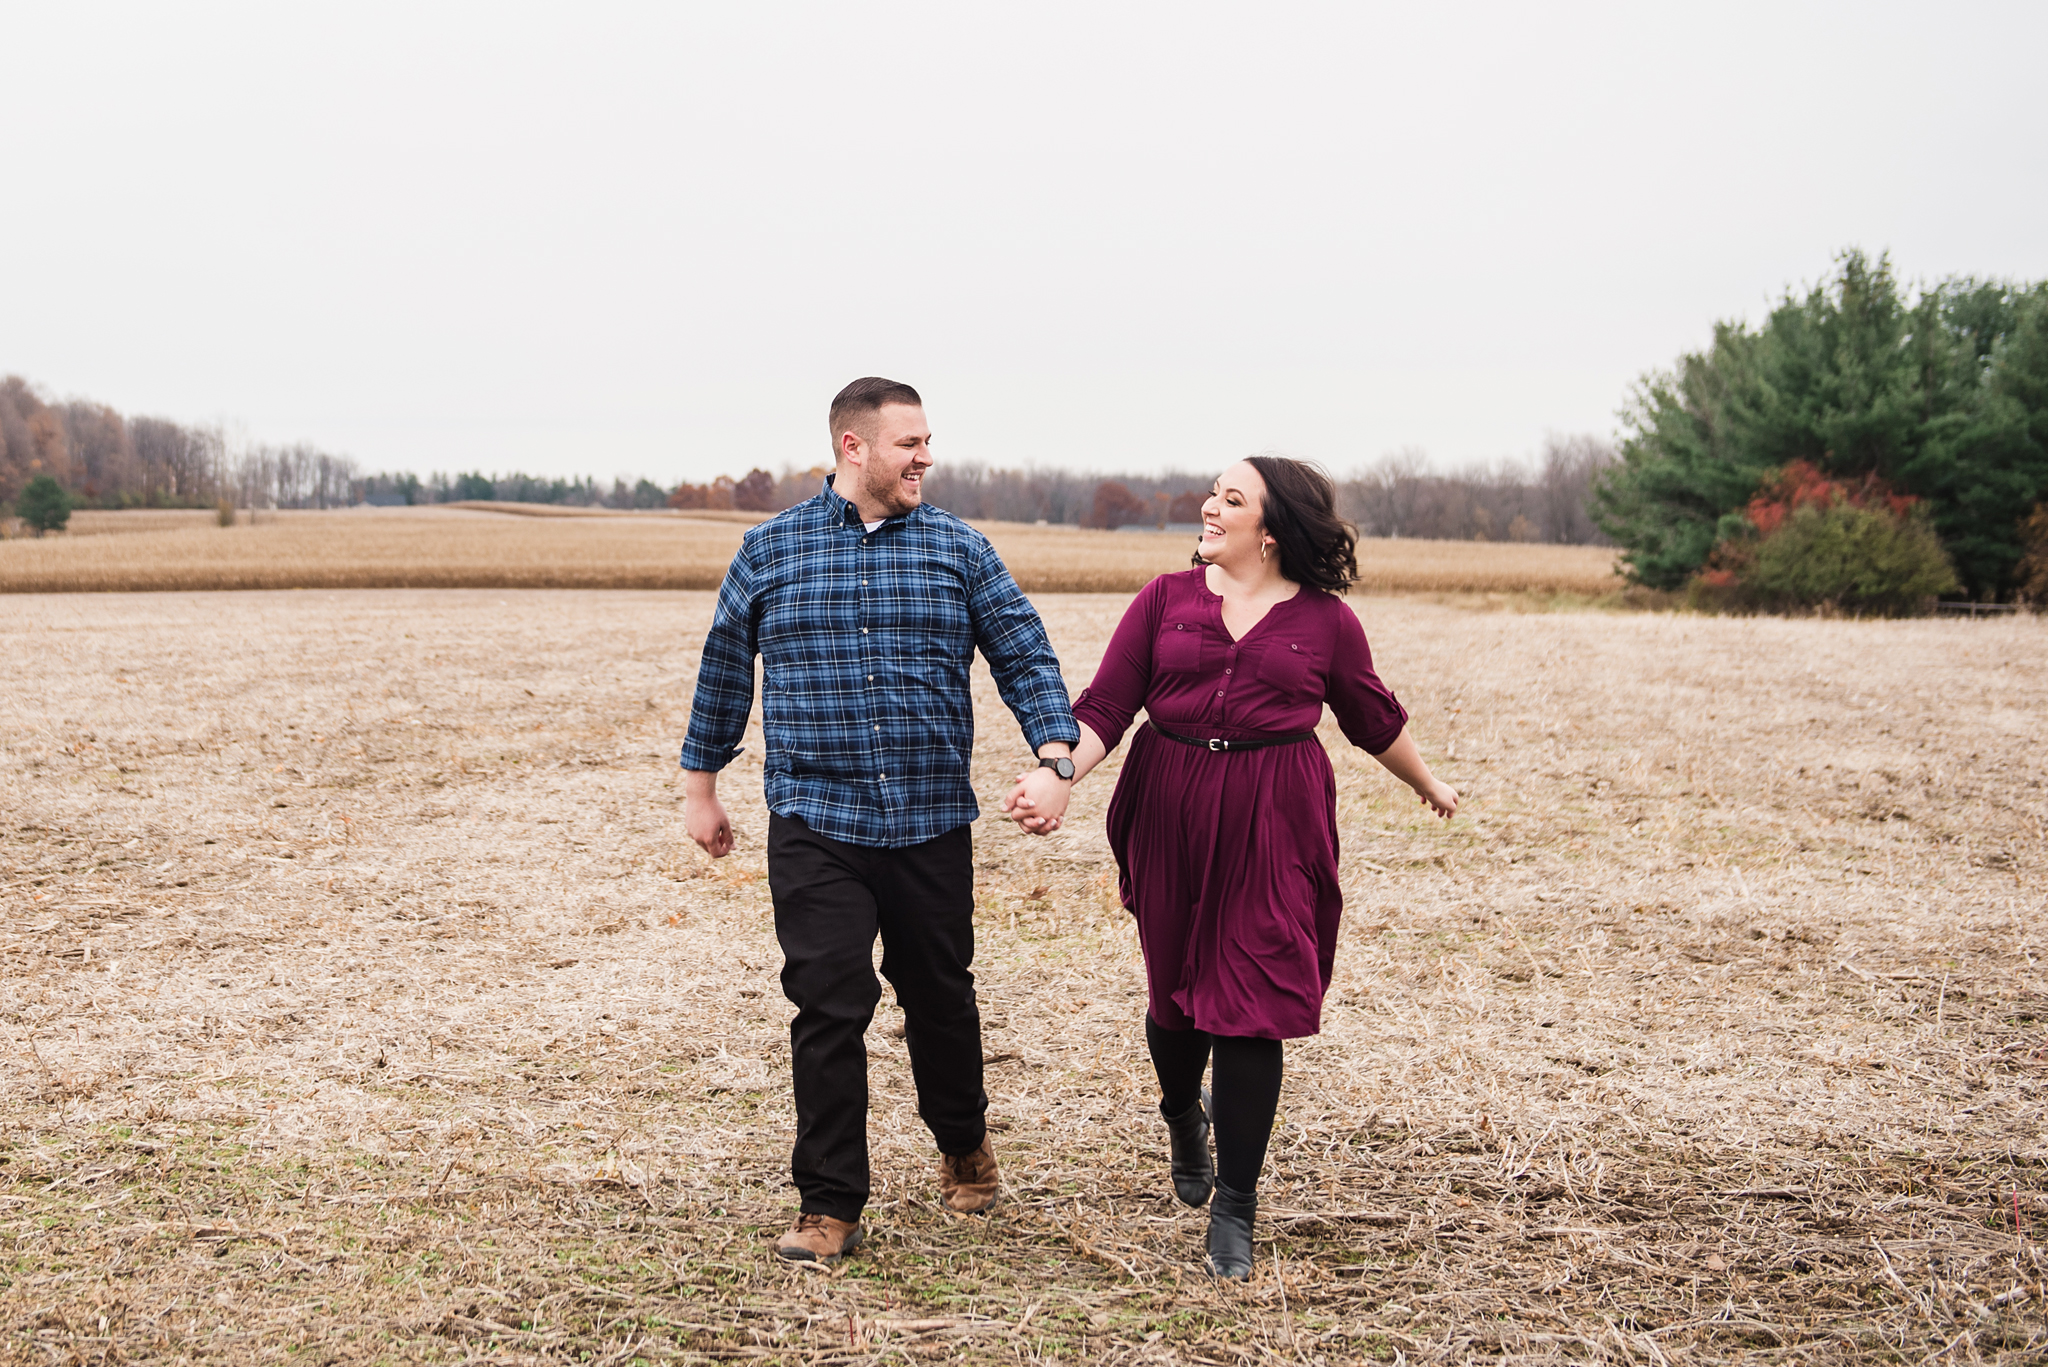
{"points": [[819, 1239], [967, 1184]]}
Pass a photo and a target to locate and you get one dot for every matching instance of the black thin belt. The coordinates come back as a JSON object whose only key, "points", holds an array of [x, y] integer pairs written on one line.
{"points": [[1255, 743]]}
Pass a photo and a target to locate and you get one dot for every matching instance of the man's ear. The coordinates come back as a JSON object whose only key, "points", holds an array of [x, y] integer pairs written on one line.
{"points": [[852, 449]]}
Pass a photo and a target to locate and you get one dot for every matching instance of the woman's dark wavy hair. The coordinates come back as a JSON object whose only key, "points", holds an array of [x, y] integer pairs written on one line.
{"points": [[1317, 547]]}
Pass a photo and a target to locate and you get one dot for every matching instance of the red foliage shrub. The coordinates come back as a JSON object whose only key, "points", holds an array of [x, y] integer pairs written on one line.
{"points": [[1801, 485], [1813, 541]]}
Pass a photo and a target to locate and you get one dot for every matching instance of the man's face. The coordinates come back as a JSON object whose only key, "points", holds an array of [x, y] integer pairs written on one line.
{"points": [[891, 466]]}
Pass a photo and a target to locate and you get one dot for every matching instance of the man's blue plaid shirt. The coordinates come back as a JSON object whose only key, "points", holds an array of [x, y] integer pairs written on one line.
{"points": [[866, 640]]}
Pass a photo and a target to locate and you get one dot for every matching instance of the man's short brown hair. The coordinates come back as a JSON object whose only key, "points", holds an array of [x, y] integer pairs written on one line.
{"points": [[854, 405]]}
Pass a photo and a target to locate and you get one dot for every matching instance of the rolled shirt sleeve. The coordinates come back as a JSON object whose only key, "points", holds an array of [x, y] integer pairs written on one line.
{"points": [[1367, 711]]}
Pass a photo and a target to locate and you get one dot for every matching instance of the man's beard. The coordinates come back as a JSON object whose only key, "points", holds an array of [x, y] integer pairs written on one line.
{"points": [[887, 490]]}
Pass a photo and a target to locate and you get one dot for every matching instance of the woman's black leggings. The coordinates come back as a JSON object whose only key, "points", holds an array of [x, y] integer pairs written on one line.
{"points": [[1245, 1095]]}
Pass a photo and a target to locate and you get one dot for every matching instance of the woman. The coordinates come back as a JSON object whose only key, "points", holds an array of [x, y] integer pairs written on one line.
{"points": [[1224, 819]]}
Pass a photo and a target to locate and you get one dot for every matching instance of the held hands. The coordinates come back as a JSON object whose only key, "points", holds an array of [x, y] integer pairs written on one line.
{"points": [[1039, 801]]}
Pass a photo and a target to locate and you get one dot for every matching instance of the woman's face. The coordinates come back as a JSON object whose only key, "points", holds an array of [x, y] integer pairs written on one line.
{"points": [[1233, 524]]}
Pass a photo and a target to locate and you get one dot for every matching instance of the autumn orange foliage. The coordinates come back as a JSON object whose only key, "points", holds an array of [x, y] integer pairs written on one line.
{"points": [[1802, 484]]}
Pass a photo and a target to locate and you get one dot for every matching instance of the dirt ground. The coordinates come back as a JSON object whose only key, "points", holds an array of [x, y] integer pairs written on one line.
{"points": [[362, 1002]]}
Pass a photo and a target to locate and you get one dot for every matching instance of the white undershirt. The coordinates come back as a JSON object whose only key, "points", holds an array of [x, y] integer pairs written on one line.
{"points": [[876, 523]]}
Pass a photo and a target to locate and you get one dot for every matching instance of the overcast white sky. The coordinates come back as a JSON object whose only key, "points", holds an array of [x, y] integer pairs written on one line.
{"points": [[655, 239]]}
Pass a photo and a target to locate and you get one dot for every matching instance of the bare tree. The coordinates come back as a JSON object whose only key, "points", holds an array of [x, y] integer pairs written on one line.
{"points": [[103, 461], [1383, 499], [178, 464], [1570, 466], [1401, 496]]}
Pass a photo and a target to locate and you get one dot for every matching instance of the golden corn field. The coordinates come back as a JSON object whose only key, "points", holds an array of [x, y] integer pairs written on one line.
{"points": [[468, 547], [362, 1002]]}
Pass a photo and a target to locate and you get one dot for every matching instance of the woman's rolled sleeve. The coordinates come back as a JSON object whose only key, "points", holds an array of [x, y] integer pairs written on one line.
{"points": [[1367, 711]]}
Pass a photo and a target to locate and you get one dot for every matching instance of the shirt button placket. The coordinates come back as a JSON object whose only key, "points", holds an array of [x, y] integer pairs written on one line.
{"points": [[867, 661]]}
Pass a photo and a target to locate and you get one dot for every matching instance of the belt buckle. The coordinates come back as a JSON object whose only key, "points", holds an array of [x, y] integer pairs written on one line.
{"points": [[1218, 745]]}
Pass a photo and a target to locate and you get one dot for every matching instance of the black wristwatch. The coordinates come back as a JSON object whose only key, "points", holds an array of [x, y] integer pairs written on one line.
{"points": [[1060, 765]]}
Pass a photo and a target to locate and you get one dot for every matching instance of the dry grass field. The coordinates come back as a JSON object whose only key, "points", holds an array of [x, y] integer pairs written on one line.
{"points": [[363, 1003], [531, 546], [377, 548]]}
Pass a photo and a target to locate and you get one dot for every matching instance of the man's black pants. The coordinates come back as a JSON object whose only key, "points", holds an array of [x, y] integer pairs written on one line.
{"points": [[830, 900]]}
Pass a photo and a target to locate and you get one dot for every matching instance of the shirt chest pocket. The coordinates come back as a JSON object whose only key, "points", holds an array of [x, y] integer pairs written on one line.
{"points": [[1285, 666], [1178, 649]]}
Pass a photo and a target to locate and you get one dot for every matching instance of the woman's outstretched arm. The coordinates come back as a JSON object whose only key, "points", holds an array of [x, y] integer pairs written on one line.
{"points": [[1403, 759]]}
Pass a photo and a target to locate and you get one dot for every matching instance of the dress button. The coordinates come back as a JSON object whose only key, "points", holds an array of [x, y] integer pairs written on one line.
{"points": [[1226, 671], [1219, 692]]}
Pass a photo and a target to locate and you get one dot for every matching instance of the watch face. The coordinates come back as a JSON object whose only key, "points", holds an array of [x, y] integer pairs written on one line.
{"points": [[1063, 767]]}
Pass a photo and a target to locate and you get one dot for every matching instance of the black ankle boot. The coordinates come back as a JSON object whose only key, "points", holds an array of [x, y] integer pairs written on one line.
{"points": [[1188, 1137], [1230, 1233]]}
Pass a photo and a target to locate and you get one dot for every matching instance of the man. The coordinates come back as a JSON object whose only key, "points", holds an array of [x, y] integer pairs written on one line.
{"points": [[866, 608]]}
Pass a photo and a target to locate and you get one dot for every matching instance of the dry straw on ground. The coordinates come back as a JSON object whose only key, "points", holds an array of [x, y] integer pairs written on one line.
{"points": [[473, 547], [362, 1002]]}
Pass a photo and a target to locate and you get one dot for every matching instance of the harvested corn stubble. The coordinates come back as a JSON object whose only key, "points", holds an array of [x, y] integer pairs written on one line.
{"points": [[363, 1001]]}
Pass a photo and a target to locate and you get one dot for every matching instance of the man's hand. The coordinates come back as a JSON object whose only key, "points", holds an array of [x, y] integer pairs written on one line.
{"points": [[1039, 801], [704, 815]]}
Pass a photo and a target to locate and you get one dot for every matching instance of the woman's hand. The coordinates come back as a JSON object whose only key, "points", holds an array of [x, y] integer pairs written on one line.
{"points": [[1440, 796], [1404, 761], [1039, 801], [1031, 804]]}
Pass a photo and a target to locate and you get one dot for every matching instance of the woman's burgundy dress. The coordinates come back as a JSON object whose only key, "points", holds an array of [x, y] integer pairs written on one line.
{"points": [[1229, 859]]}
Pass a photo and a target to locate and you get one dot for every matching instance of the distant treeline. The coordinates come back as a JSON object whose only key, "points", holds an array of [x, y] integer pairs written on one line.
{"points": [[1398, 496], [105, 460]]}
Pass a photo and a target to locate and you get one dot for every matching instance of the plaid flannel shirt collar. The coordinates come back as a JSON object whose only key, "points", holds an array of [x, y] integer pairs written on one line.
{"points": [[842, 511]]}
